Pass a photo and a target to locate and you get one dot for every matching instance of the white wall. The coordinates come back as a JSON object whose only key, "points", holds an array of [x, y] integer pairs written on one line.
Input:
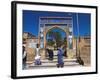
{"points": [[5, 39]]}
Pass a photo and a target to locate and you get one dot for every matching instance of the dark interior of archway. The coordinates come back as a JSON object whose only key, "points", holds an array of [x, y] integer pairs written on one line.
{"points": [[56, 37]]}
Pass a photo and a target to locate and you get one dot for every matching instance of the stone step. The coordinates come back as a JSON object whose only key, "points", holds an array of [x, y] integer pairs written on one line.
{"points": [[55, 53], [55, 57], [55, 60], [53, 64]]}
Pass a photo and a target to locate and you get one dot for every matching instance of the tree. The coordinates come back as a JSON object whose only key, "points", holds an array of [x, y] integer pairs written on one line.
{"points": [[55, 38]]}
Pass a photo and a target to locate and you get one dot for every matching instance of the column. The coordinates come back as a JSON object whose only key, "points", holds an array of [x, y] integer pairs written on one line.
{"points": [[70, 44], [45, 39], [41, 38], [66, 43]]}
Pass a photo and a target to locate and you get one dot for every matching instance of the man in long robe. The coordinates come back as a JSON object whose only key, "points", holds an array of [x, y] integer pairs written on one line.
{"points": [[60, 58], [50, 54], [37, 57]]}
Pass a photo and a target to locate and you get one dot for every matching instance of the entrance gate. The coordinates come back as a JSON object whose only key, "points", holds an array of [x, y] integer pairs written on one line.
{"points": [[64, 23]]}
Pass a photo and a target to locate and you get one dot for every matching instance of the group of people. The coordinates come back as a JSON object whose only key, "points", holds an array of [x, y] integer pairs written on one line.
{"points": [[60, 54]]}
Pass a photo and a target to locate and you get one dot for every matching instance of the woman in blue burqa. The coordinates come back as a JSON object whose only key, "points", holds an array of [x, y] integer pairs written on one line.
{"points": [[60, 58]]}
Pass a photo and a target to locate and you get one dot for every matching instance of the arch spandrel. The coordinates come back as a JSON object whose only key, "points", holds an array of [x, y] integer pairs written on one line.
{"points": [[64, 28]]}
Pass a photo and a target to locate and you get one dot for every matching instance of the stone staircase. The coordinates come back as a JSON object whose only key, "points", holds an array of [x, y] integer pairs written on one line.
{"points": [[47, 63]]}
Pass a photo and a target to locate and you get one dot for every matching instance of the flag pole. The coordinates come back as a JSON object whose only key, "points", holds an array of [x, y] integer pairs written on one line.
{"points": [[78, 35]]}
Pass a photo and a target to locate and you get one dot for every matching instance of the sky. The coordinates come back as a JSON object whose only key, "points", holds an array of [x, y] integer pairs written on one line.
{"points": [[31, 21]]}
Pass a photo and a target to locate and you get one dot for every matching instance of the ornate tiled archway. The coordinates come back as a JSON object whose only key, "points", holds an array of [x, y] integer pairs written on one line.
{"points": [[48, 23], [65, 29]]}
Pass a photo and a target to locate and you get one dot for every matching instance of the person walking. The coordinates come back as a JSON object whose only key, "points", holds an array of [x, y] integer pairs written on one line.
{"points": [[24, 57], [37, 57], [60, 58], [64, 51], [50, 54]]}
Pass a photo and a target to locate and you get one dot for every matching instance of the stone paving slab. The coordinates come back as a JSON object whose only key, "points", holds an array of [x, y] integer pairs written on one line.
{"points": [[53, 64], [55, 60], [44, 66]]}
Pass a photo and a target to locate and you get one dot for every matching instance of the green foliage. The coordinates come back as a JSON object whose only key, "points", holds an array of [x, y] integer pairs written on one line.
{"points": [[50, 43], [56, 38]]}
